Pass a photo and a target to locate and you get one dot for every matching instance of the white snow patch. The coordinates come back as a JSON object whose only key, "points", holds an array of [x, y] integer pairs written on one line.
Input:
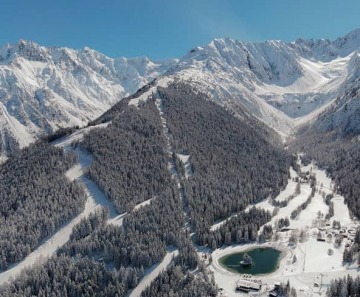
{"points": [[143, 204], [163, 82], [77, 135]]}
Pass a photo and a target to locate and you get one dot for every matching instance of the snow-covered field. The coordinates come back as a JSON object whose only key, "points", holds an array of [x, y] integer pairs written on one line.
{"points": [[313, 263]]}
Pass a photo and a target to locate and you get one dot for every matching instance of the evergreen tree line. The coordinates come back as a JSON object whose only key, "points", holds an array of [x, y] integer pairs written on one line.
{"points": [[295, 213], [119, 107], [178, 280], [344, 287], [232, 163], [35, 199], [329, 203], [239, 229], [285, 202], [174, 282], [70, 277]]}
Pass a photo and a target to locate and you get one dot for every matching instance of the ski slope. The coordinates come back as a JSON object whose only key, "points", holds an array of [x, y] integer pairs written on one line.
{"points": [[313, 261]]}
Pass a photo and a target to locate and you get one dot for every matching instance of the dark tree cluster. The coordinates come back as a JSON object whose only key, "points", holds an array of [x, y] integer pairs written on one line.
{"points": [[241, 228], [232, 163], [174, 282], [35, 199], [344, 287], [266, 233], [130, 160], [187, 258], [286, 290], [61, 132], [329, 203], [64, 276], [88, 224], [283, 223]]}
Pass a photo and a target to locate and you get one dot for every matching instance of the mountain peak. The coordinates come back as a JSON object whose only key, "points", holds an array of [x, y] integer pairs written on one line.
{"points": [[23, 48]]}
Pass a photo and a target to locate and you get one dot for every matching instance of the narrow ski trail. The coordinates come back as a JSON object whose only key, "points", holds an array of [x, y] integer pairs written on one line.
{"points": [[171, 161], [95, 199]]}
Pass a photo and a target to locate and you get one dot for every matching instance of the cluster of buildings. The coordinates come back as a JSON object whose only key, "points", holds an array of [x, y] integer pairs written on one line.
{"points": [[328, 233]]}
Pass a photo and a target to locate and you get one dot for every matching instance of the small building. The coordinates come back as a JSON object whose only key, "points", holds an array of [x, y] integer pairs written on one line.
{"points": [[246, 286]]}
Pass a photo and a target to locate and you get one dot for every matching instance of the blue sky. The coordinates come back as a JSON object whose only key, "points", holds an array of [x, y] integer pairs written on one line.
{"points": [[169, 28]]}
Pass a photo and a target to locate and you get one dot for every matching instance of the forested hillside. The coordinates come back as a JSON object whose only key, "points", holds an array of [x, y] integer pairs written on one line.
{"points": [[35, 199], [131, 155], [232, 163], [130, 162]]}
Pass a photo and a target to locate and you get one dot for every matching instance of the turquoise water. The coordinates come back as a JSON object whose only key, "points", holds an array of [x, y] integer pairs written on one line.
{"points": [[265, 260]]}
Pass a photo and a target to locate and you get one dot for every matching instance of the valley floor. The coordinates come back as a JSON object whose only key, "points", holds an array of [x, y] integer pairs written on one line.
{"points": [[314, 268]]}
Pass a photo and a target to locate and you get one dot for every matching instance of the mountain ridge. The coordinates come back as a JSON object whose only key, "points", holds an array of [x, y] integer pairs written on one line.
{"points": [[281, 83]]}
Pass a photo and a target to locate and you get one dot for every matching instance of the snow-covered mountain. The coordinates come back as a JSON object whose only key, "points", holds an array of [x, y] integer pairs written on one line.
{"points": [[42, 89], [282, 84], [276, 81], [343, 114]]}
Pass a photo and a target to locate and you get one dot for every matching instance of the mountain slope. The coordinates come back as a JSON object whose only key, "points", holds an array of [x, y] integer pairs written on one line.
{"points": [[42, 89], [275, 81]]}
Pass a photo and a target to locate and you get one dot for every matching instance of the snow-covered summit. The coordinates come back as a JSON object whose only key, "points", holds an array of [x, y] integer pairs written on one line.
{"points": [[43, 88], [279, 82], [326, 50]]}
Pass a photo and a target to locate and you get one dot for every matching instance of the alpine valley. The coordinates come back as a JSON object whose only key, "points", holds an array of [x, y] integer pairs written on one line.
{"points": [[133, 177]]}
